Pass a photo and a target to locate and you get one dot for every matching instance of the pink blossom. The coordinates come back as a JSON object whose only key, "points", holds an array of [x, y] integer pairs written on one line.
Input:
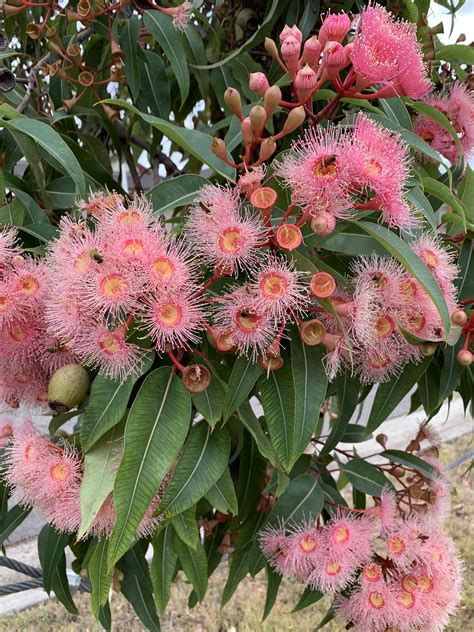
{"points": [[275, 546], [8, 245], [305, 544], [461, 112], [436, 257]]}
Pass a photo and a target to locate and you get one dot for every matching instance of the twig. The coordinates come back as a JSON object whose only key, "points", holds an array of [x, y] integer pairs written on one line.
{"points": [[31, 82]]}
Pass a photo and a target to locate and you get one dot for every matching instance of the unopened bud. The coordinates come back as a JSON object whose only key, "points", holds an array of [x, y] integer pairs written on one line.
{"points": [[312, 51], [247, 131], [334, 55], [295, 118], [312, 332], [289, 236], [323, 224], [398, 472], [67, 387], [267, 149], [290, 30], [416, 491], [335, 27], [322, 285], [68, 104], [257, 116], [111, 114], [71, 15], [271, 99], [382, 440], [290, 51], [271, 48], [218, 148], [305, 81], [464, 357], [196, 378], [429, 348], [459, 317], [234, 102], [258, 82], [7, 80]]}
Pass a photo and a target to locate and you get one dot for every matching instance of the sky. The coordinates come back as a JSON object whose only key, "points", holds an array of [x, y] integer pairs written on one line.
{"points": [[463, 23]]}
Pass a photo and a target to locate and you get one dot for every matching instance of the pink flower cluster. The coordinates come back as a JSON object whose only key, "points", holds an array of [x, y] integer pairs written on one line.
{"points": [[123, 269], [29, 353], [390, 569], [48, 477], [458, 107], [333, 173], [383, 302]]}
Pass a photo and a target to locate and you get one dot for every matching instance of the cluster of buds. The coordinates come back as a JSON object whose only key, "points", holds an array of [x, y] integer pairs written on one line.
{"points": [[390, 567], [48, 477], [460, 317]]}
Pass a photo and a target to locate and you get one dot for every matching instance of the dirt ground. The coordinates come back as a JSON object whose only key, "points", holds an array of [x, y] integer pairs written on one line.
{"points": [[243, 613]]}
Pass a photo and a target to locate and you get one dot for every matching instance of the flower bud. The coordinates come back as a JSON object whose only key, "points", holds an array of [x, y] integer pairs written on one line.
{"points": [[312, 332], [459, 317], [290, 51], [429, 348], [71, 15], [218, 148], [258, 82], [68, 104], [271, 99], [246, 131], [7, 80], [322, 285], [196, 378], [264, 199], [335, 27], [464, 357], [290, 30], [233, 102], [257, 116], [289, 236], [295, 118], [67, 387], [323, 224], [305, 81], [111, 114], [382, 440], [334, 55], [312, 51], [267, 149], [271, 49]]}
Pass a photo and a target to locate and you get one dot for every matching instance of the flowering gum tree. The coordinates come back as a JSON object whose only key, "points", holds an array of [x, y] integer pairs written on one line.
{"points": [[214, 245]]}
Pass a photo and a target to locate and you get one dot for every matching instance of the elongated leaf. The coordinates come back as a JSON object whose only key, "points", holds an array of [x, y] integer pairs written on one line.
{"points": [[396, 111], [196, 143], [154, 85], [170, 40], [54, 145], [194, 564], [303, 499], [222, 494], [51, 545], [253, 425], [401, 251], [278, 401], [466, 193], [465, 280], [210, 402], [98, 478], [419, 199], [238, 569], [275, 10], [12, 519], [60, 586], [308, 598], [347, 393], [155, 432], [163, 565], [242, 380], [273, 584], [365, 477], [186, 528], [444, 193], [310, 384], [200, 466], [62, 192], [456, 54], [390, 394], [128, 42], [137, 587], [99, 576], [405, 458], [176, 192], [252, 468], [107, 405]]}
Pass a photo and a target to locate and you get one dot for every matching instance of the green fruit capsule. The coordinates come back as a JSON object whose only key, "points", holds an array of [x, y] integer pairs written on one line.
{"points": [[67, 387]]}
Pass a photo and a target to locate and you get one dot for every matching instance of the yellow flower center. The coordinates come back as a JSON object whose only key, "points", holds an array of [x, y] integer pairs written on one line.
{"points": [[273, 286], [407, 599], [308, 544], [430, 258], [109, 345], [373, 168], [59, 471], [170, 314], [384, 327], [396, 546], [333, 568], [28, 285], [325, 167], [17, 333], [113, 286], [133, 247], [341, 535], [163, 268], [230, 240], [128, 218], [376, 600]]}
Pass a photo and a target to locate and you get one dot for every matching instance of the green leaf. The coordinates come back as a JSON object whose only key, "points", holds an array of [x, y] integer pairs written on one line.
{"points": [[194, 565], [62, 192], [253, 425], [396, 111], [365, 477], [201, 464], [302, 500], [179, 191], [98, 477], [186, 527], [51, 545], [465, 280], [456, 54], [128, 41], [419, 199], [409, 460], [12, 520], [275, 10], [170, 40], [210, 402], [278, 400], [401, 251], [107, 405], [238, 569], [252, 469], [137, 588], [99, 576], [242, 380], [163, 565], [54, 145], [347, 388], [196, 143], [466, 192], [273, 584], [310, 384], [444, 193], [60, 586], [390, 394], [308, 598], [429, 389], [154, 84], [436, 115], [222, 494], [155, 432]]}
